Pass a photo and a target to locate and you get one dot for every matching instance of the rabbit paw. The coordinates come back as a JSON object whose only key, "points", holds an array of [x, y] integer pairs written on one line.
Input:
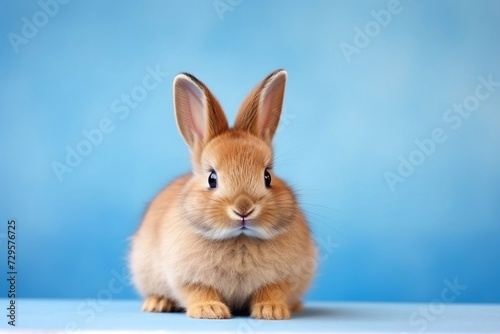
{"points": [[209, 310], [270, 311], [158, 304]]}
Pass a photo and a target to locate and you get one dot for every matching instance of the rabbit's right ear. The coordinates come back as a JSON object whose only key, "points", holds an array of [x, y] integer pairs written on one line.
{"points": [[199, 115]]}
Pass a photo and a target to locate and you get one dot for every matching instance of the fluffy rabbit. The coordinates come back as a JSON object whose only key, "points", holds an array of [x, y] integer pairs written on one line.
{"points": [[229, 236]]}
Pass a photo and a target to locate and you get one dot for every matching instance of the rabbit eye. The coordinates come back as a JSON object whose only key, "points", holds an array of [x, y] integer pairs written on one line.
{"points": [[212, 180], [267, 179]]}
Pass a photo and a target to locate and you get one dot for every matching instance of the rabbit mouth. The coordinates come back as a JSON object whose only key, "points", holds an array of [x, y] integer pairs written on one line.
{"points": [[244, 227], [244, 224], [240, 228], [248, 231]]}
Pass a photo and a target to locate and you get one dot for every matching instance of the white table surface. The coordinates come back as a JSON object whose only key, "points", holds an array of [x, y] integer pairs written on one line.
{"points": [[124, 316]]}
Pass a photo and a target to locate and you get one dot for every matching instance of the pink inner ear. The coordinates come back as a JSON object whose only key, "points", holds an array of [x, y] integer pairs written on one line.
{"points": [[196, 108], [271, 101], [269, 110]]}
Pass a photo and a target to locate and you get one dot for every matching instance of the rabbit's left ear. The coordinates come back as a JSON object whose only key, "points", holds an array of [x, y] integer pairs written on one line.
{"points": [[198, 113], [261, 111]]}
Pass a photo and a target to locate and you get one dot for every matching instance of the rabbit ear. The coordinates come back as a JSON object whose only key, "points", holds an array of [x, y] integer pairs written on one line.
{"points": [[199, 115], [261, 111]]}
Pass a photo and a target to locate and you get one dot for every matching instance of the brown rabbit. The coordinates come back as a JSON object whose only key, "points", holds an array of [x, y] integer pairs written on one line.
{"points": [[229, 236]]}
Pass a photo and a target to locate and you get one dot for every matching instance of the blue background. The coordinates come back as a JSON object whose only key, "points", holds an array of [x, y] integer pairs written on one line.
{"points": [[347, 121]]}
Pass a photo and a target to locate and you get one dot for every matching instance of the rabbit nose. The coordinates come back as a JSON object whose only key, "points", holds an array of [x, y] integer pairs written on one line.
{"points": [[243, 214], [243, 206]]}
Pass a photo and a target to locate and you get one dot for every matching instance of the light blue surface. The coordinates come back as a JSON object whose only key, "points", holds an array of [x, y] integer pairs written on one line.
{"points": [[75, 316], [345, 125]]}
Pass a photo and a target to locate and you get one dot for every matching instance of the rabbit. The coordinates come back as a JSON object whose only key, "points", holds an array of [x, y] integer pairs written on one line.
{"points": [[229, 237]]}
